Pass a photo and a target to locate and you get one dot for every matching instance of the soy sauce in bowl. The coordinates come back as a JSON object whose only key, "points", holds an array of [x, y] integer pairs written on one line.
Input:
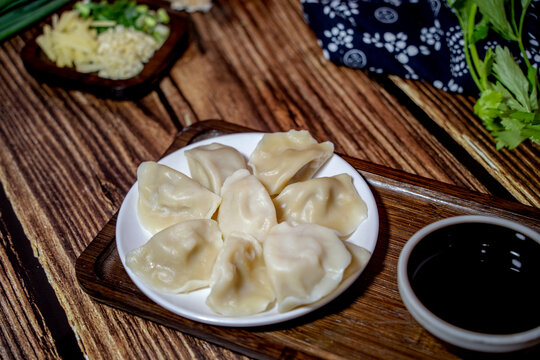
{"points": [[478, 276], [474, 282]]}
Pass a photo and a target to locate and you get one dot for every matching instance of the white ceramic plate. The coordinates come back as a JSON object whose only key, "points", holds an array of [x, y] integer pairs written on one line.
{"points": [[130, 235]]}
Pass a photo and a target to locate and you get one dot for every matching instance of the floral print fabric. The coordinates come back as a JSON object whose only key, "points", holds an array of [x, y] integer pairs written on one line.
{"points": [[414, 39]]}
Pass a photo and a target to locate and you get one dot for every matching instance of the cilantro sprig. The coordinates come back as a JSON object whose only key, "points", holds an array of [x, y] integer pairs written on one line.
{"points": [[508, 102]]}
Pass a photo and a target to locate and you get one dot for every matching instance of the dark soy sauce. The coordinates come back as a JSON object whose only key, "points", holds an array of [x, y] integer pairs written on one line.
{"points": [[480, 277]]}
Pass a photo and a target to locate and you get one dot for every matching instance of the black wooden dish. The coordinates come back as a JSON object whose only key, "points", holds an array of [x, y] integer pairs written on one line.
{"points": [[45, 70]]}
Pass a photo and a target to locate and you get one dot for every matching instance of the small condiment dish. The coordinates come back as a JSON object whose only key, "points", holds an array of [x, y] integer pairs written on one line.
{"points": [[474, 282]]}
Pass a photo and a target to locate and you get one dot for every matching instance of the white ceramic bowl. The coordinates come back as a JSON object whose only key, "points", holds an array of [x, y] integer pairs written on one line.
{"points": [[462, 338]]}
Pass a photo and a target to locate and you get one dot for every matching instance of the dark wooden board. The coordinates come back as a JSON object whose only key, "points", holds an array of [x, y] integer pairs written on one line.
{"points": [[367, 321], [45, 70]]}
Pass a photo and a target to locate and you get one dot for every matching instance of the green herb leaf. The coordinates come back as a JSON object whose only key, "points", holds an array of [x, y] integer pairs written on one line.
{"points": [[510, 75], [523, 116], [512, 123], [487, 106], [525, 4], [508, 104], [462, 9], [481, 30], [532, 132], [509, 139], [533, 80], [495, 11], [484, 71]]}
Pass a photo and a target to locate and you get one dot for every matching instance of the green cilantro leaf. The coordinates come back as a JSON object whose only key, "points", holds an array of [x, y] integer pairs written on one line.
{"points": [[495, 11], [510, 75], [508, 104], [487, 106], [532, 132], [481, 30], [508, 138]]}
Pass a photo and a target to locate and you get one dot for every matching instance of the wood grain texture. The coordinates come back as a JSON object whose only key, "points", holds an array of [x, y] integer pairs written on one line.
{"points": [[233, 71], [66, 161], [368, 320], [34, 325], [516, 169], [22, 331]]}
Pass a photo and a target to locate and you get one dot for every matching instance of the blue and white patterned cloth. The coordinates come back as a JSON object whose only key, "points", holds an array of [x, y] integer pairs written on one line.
{"points": [[414, 39]]}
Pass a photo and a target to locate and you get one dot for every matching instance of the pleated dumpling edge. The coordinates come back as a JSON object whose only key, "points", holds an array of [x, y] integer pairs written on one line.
{"points": [[287, 157]]}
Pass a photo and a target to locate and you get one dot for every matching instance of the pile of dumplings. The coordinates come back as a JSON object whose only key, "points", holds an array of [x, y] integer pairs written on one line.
{"points": [[260, 234]]}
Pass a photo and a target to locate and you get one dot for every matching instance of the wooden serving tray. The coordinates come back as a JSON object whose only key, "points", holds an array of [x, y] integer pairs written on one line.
{"points": [[43, 69], [367, 321]]}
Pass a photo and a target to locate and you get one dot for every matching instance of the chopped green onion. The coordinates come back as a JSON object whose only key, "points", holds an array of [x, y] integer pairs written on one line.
{"points": [[142, 9], [127, 13], [83, 9], [150, 22], [17, 14], [163, 16], [161, 33]]}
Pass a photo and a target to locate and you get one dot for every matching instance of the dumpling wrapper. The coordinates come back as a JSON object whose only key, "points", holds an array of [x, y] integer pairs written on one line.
{"points": [[240, 283], [167, 197], [211, 164], [328, 201], [359, 260], [246, 206], [287, 157], [305, 263], [180, 258]]}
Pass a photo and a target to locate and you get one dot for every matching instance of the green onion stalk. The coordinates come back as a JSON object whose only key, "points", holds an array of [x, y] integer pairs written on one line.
{"points": [[17, 14]]}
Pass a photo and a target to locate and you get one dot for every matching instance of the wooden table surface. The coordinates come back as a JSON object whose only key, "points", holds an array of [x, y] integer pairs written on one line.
{"points": [[67, 159]]}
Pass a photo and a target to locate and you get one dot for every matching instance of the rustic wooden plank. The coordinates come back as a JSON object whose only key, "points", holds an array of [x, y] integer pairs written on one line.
{"points": [[66, 161], [516, 169], [257, 63], [34, 325], [23, 334]]}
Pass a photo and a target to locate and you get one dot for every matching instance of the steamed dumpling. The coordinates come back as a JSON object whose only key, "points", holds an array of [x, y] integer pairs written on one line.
{"points": [[305, 263], [211, 164], [180, 258], [246, 206], [359, 259], [287, 157], [328, 201], [240, 284], [167, 196]]}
